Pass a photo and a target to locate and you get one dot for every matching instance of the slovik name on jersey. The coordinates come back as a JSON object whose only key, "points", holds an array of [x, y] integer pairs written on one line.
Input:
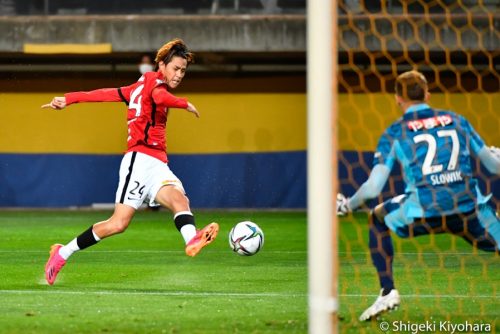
{"points": [[429, 123], [446, 178]]}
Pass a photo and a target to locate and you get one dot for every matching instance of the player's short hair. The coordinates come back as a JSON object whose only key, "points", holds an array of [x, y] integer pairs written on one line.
{"points": [[174, 48], [411, 86]]}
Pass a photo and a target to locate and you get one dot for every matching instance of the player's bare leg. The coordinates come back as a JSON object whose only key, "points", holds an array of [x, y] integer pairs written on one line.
{"points": [[382, 253], [176, 201], [59, 254], [118, 223]]}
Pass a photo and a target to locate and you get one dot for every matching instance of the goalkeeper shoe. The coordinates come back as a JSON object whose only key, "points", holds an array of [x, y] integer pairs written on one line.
{"points": [[383, 304], [202, 238], [54, 264]]}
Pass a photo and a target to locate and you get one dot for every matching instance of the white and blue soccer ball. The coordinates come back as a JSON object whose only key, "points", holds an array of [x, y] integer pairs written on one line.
{"points": [[246, 238]]}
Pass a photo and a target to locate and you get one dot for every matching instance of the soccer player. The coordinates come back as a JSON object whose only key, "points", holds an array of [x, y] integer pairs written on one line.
{"points": [[146, 64], [434, 148], [144, 172]]}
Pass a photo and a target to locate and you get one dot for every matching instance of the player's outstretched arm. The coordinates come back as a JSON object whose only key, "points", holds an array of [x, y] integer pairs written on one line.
{"points": [[192, 108], [58, 103], [490, 158], [495, 151], [372, 187], [172, 101], [98, 95]]}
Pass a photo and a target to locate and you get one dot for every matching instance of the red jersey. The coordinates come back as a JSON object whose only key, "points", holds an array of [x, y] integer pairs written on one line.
{"points": [[148, 101]]}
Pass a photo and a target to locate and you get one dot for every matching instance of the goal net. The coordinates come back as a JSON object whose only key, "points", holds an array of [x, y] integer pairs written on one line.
{"points": [[456, 45]]}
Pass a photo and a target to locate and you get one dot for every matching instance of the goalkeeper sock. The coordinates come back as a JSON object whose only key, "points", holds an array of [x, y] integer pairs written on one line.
{"points": [[84, 240], [382, 252], [184, 221]]}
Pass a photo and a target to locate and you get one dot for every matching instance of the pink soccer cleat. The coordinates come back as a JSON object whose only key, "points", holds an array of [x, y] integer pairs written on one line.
{"points": [[54, 264], [202, 238]]}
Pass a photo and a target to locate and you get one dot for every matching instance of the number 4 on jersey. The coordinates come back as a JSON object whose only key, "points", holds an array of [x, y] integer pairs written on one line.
{"points": [[135, 100]]}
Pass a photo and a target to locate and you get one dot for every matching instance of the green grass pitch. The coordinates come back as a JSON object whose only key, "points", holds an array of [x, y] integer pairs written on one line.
{"points": [[141, 281]]}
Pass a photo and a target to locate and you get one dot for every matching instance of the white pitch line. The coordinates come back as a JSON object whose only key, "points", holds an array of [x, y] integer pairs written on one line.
{"points": [[425, 296], [423, 253], [143, 251], [269, 252], [155, 293], [225, 294]]}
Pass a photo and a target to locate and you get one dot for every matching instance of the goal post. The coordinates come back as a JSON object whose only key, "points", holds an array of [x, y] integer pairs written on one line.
{"points": [[322, 166]]}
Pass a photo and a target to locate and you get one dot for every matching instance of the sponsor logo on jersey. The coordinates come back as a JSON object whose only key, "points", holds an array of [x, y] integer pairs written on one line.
{"points": [[446, 178], [429, 123]]}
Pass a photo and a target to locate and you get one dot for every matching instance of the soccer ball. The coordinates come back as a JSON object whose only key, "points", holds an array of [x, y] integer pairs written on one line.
{"points": [[246, 238]]}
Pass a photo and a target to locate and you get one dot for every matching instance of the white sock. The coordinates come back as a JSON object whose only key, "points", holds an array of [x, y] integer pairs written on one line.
{"points": [[69, 249], [188, 232]]}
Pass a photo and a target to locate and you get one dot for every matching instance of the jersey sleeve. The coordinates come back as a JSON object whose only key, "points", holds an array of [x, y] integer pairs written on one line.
{"points": [[489, 160], [171, 101], [125, 92], [475, 141], [372, 187], [384, 153], [101, 95], [98, 95]]}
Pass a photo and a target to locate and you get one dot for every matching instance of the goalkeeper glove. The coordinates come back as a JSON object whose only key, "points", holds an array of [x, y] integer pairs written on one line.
{"points": [[342, 205]]}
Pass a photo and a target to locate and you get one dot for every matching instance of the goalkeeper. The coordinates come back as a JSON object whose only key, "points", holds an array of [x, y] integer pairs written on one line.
{"points": [[434, 148]]}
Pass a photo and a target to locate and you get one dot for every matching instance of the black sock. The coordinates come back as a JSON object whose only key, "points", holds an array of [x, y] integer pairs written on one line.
{"points": [[183, 219], [86, 239], [382, 253]]}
